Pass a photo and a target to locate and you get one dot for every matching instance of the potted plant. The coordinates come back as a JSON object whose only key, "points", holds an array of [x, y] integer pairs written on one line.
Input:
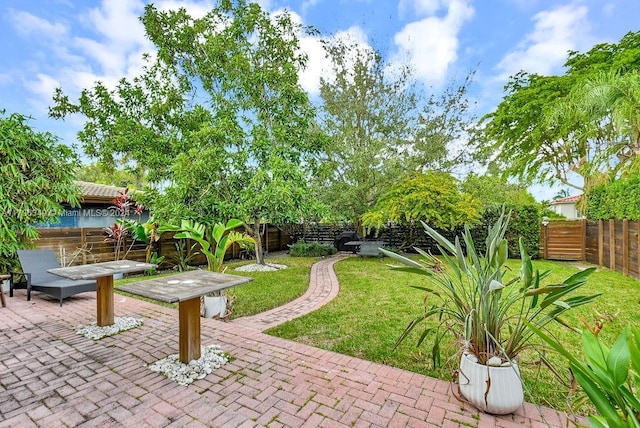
{"points": [[470, 298]]}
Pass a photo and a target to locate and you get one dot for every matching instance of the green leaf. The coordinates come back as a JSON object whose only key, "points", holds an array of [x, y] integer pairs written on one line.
{"points": [[402, 259], [233, 223], [599, 399], [595, 352], [618, 359]]}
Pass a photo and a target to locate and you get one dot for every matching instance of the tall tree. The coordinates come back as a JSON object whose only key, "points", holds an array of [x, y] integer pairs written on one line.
{"points": [[617, 96], [445, 120], [36, 177], [220, 115], [382, 126], [495, 191], [369, 115], [541, 130]]}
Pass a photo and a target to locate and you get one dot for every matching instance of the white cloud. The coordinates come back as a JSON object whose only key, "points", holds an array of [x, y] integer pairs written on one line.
{"points": [[318, 65], [307, 4], [430, 45], [28, 24], [545, 49], [196, 9], [419, 7]]}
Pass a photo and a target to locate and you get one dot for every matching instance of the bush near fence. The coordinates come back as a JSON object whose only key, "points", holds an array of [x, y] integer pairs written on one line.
{"points": [[89, 245], [525, 223]]}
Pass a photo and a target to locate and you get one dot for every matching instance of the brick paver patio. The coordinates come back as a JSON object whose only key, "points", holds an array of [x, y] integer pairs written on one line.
{"points": [[50, 376]]}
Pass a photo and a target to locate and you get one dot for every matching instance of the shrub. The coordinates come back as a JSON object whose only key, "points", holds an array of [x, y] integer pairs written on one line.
{"points": [[311, 249], [524, 223], [617, 200]]}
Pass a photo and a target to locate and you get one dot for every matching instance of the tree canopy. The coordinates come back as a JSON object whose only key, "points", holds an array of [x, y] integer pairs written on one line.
{"points": [[495, 191], [121, 177], [369, 118], [543, 129], [381, 127], [36, 177], [432, 197], [219, 116]]}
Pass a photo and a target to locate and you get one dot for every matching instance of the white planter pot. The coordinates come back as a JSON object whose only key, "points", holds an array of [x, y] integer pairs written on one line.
{"points": [[496, 390], [5, 286], [215, 306]]}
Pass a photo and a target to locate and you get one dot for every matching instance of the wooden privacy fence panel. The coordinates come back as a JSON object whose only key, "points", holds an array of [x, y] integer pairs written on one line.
{"points": [[89, 245], [614, 244], [562, 240]]}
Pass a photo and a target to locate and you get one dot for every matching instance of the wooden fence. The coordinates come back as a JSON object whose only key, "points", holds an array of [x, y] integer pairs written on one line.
{"points": [[614, 244], [89, 245]]}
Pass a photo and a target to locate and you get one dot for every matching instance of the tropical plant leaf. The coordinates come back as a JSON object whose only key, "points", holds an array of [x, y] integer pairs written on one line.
{"points": [[618, 359], [441, 240], [600, 400], [402, 259]]}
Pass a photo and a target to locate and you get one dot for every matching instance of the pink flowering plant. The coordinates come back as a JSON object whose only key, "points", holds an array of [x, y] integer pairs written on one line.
{"points": [[123, 226]]}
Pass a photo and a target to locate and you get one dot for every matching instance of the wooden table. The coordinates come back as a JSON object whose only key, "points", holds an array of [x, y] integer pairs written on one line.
{"points": [[186, 288], [354, 244], [103, 274]]}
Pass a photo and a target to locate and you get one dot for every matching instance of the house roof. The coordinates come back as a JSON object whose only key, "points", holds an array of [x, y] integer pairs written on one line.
{"points": [[99, 193], [567, 200]]}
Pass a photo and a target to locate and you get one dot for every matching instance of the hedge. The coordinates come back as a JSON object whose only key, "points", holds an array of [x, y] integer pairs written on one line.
{"points": [[617, 200]]}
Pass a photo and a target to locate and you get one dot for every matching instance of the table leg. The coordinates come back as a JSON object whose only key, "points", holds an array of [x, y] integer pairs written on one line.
{"points": [[105, 301], [189, 314]]}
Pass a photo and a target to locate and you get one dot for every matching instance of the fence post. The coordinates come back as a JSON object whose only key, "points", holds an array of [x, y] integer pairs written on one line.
{"points": [[583, 225], [625, 247], [545, 241], [612, 244], [83, 245], [600, 242]]}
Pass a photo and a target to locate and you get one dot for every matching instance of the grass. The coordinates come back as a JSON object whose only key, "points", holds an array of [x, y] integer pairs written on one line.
{"points": [[375, 304], [268, 289]]}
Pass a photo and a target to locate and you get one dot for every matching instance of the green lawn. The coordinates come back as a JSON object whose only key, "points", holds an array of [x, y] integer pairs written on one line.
{"points": [[268, 289], [375, 304]]}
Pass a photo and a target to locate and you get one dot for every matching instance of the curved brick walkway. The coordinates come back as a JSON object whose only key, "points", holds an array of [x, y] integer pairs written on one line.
{"points": [[323, 287], [51, 377]]}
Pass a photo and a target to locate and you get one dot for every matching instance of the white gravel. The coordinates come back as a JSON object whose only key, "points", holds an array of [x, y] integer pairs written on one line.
{"points": [[95, 332], [210, 359], [261, 268]]}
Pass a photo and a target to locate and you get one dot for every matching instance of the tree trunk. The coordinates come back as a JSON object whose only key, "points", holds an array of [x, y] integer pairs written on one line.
{"points": [[258, 238], [254, 232]]}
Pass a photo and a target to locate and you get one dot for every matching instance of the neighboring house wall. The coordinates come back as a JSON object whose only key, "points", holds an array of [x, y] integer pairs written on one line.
{"points": [[567, 207], [568, 210]]}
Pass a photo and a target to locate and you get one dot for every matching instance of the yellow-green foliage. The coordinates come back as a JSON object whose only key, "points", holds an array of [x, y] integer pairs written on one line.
{"points": [[432, 197]]}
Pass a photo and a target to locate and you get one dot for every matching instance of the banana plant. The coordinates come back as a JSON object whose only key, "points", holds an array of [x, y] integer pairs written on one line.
{"points": [[214, 240]]}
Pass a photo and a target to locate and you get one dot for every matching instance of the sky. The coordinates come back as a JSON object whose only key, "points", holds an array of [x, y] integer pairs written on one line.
{"points": [[70, 44]]}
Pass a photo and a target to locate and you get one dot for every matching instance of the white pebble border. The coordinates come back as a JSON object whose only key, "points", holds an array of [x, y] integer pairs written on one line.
{"points": [[95, 332], [255, 267], [211, 358]]}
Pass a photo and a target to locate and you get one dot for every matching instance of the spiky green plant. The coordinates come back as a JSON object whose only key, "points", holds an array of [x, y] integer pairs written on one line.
{"points": [[471, 300]]}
